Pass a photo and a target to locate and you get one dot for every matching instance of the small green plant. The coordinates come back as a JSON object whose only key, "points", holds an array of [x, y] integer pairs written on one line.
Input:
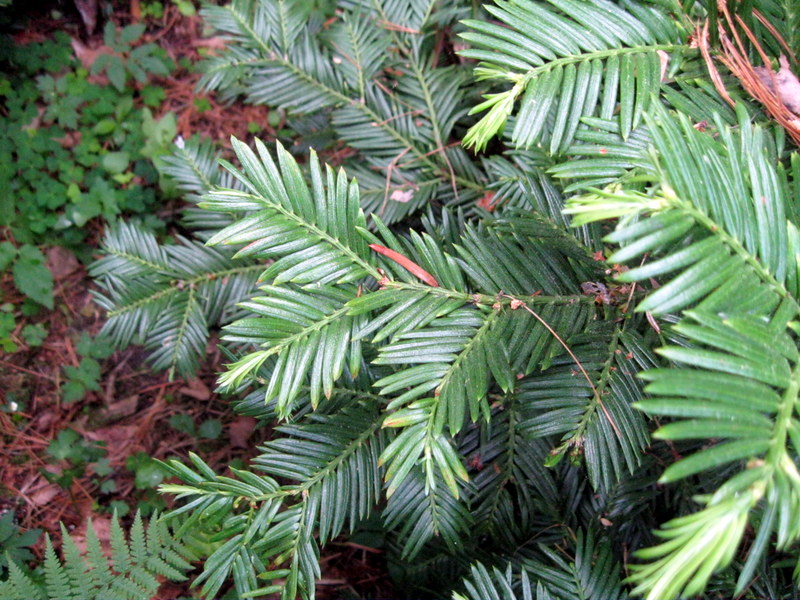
{"points": [[152, 9], [7, 327], [155, 9], [185, 7], [129, 59], [86, 375], [34, 334], [148, 475], [80, 379], [31, 275], [76, 455], [33, 279], [209, 429]]}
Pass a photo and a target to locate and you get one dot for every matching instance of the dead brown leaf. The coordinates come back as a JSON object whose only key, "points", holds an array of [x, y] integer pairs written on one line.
{"points": [[116, 437], [788, 86], [45, 494], [87, 55], [240, 431], [784, 84], [196, 389], [36, 121], [61, 262], [120, 409], [70, 139]]}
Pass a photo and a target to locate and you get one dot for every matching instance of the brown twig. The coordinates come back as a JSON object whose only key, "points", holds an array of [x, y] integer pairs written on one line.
{"points": [[28, 371]]}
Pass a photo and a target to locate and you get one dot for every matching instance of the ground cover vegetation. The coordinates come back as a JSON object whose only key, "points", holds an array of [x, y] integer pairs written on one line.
{"points": [[532, 337], [85, 117]]}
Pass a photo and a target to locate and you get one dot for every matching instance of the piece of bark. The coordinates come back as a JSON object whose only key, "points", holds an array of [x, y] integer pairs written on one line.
{"points": [[118, 410]]}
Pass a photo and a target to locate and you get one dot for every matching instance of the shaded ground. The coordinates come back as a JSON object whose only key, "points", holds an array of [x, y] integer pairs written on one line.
{"points": [[129, 414]]}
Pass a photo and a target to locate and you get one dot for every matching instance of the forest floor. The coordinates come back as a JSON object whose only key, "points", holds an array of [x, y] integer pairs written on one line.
{"points": [[129, 416]]}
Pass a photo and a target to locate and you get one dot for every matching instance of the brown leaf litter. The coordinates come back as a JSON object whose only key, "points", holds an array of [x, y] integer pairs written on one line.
{"points": [[778, 92]]}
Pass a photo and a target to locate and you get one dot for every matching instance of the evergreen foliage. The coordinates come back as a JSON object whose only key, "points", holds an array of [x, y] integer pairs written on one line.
{"points": [[167, 295], [151, 551], [533, 403], [286, 55]]}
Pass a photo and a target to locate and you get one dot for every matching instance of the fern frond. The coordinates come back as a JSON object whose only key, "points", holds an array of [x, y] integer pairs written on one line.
{"points": [[193, 166], [85, 575], [587, 570], [311, 333], [213, 504], [438, 336], [248, 24], [509, 488], [444, 376], [738, 223], [19, 585], [415, 15], [731, 355], [88, 577], [358, 49], [499, 585], [56, 580], [263, 535], [600, 156], [311, 232]]}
